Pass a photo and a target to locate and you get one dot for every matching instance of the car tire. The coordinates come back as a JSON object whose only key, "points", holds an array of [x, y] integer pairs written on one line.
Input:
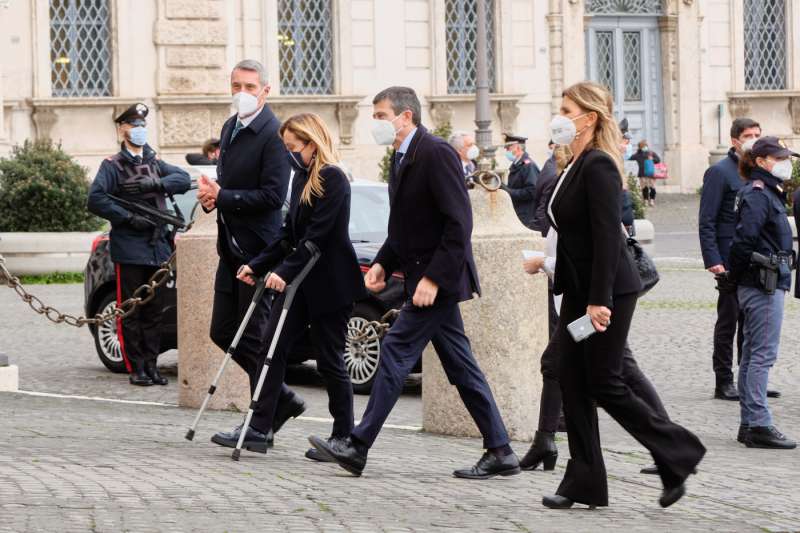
{"points": [[361, 359], [106, 341]]}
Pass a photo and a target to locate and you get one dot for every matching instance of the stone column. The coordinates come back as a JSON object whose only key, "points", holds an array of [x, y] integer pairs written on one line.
{"points": [[9, 375], [507, 327]]}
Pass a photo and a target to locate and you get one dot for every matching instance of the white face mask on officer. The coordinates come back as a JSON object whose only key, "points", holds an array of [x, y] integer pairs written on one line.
{"points": [[782, 169]]}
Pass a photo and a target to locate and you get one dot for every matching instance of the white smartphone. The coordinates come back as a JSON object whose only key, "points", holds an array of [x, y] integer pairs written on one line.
{"points": [[581, 329], [527, 254]]}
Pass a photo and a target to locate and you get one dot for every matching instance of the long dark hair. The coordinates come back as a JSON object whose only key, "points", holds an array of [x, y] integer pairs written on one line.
{"points": [[747, 163]]}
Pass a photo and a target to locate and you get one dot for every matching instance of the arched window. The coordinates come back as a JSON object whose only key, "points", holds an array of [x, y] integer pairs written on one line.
{"points": [[615, 7], [305, 42], [461, 33], [764, 45], [80, 56]]}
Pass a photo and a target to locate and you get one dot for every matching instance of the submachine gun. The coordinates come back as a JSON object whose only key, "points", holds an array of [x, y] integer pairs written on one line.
{"points": [[154, 216]]}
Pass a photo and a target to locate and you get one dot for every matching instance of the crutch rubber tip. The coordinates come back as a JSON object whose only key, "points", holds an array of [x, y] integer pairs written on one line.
{"points": [[190, 434], [236, 453]]}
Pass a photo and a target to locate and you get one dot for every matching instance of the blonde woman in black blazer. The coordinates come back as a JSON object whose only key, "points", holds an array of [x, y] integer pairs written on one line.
{"points": [[597, 276]]}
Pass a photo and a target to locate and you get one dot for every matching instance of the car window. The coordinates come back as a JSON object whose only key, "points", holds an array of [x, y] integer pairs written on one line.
{"points": [[369, 213]]}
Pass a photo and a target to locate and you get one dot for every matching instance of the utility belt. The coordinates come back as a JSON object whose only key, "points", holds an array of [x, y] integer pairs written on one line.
{"points": [[770, 268]]}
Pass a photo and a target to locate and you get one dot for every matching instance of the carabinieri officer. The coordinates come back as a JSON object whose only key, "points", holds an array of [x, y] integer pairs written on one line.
{"points": [[523, 174], [138, 248]]}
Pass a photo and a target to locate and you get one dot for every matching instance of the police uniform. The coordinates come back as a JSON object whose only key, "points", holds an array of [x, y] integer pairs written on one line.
{"points": [[138, 248], [761, 257], [522, 177]]}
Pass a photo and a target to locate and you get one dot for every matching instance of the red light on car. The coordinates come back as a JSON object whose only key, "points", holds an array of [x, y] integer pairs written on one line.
{"points": [[97, 240], [398, 275]]}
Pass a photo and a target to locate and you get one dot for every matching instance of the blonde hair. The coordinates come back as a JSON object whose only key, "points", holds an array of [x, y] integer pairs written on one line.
{"points": [[311, 129], [592, 97]]}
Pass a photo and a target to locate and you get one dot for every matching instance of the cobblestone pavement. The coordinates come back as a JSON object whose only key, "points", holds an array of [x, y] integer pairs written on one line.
{"points": [[80, 465]]}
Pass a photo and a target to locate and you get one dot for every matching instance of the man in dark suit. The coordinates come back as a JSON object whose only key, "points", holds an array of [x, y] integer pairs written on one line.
{"points": [[717, 224], [429, 240], [251, 186]]}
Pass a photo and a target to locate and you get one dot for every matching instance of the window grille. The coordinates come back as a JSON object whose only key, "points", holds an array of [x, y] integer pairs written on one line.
{"points": [[638, 7], [632, 59], [764, 45], [305, 42], [461, 21], [606, 63], [80, 56]]}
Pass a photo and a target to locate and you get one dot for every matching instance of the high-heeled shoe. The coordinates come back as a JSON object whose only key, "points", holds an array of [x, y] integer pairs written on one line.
{"points": [[560, 502], [543, 452]]}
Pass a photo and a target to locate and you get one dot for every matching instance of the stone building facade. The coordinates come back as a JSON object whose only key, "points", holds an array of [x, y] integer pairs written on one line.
{"points": [[680, 70]]}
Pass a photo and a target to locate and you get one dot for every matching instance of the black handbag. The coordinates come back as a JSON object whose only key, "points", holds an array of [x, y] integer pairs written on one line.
{"points": [[644, 265]]}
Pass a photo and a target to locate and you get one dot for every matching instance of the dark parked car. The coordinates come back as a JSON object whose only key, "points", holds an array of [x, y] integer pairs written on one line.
{"points": [[369, 215]]}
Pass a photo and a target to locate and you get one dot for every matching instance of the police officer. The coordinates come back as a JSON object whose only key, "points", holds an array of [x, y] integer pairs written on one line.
{"points": [[761, 258], [138, 246], [522, 177]]}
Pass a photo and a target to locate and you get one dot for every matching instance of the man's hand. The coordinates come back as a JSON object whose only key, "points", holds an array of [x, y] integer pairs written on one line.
{"points": [[717, 269], [245, 275], [276, 283], [207, 192], [426, 293], [533, 265], [375, 279], [141, 186], [600, 315]]}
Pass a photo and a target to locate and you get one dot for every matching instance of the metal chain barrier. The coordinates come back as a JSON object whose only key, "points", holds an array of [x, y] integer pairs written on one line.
{"points": [[141, 296], [375, 329]]}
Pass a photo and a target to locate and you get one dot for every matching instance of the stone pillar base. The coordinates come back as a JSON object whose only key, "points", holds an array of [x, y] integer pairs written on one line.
{"points": [[507, 327], [9, 378]]}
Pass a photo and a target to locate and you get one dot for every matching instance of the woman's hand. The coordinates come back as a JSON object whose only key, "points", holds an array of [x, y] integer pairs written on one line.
{"points": [[533, 265], [600, 315], [245, 275], [276, 283]]}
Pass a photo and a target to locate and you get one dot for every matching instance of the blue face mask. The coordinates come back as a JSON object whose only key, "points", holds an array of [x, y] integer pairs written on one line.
{"points": [[138, 135], [511, 157]]}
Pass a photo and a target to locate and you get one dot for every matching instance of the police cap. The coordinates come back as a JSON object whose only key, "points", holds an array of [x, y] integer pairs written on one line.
{"points": [[771, 146], [134, 115], [623, 125], [514, 139]]}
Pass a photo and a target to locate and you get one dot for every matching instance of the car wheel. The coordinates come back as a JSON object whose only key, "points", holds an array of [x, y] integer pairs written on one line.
{"points": [[361, 358], [106, 341]]}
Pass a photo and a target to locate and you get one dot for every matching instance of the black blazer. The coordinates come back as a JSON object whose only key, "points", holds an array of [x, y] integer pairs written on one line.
{"points": [[430, 222], [253, 172], [541, 196], [592, 261], [336, 279]]}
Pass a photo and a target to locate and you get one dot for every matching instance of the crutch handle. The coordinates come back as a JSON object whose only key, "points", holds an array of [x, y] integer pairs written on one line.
{"points": [[291, 289]]}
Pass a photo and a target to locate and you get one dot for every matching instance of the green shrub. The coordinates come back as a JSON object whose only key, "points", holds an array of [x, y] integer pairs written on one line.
{"points": [[43, 189], [384, 166], [636, 196], [791, 185]]}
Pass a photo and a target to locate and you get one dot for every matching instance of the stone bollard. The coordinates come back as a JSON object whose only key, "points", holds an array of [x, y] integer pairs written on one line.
{"points": [[198, 357], [507, 326], [9, 375]]}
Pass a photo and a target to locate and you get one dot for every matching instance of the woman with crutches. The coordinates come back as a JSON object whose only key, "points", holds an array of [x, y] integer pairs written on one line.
{"points": [[319, 212]]}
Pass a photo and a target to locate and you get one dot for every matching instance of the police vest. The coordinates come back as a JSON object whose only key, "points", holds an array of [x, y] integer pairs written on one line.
{"points": [[131, 173]]}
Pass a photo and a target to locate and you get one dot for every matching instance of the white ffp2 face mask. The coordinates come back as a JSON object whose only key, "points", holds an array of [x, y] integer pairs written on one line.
{"points": [[562, 130], [473, 152], [244, 103], [383, 131], [782, 169]]}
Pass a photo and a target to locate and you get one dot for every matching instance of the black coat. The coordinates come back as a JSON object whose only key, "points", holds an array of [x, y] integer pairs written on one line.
{"points": [[253, 172], [336, 279], [640, 156], [717, 218], [796, 213], [130, 246], [430, 222], [541, 196], [593, 261], [523, 176]]}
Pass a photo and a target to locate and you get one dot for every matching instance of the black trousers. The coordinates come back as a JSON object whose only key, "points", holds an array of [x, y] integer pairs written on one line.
{"points": [[328, 333], [728, 318], [591, 372], [228, 311], [140, 332], [402, 347]]}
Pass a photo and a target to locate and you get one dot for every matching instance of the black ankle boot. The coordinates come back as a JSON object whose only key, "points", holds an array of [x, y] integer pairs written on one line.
{"points": [[151, 369], [543, 451], [138, 376]]}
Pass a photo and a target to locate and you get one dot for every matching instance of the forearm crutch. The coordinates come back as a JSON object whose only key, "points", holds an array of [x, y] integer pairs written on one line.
{"points": [[260, 286], [291, 290]]}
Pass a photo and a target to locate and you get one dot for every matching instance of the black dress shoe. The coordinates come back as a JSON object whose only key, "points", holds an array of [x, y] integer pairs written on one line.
{"points": [[151, 369], [768, 437], [741, 436], [773, 394], [290, 409], [726, 391], [490, 465], [543, 452], [138, 377], [651, 470], [254, 440], [670, 496], [559, 502], [342, 451], [315, 455]]}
